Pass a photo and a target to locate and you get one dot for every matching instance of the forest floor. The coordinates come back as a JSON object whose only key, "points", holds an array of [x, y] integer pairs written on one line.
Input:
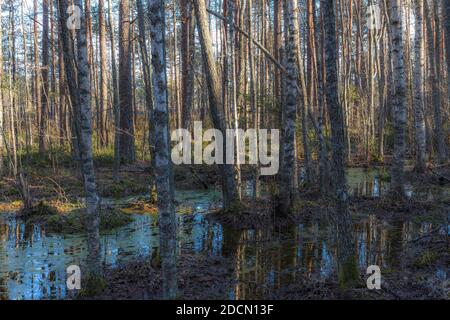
{"points": [[202, 277], [209, 277], [206, 277]]}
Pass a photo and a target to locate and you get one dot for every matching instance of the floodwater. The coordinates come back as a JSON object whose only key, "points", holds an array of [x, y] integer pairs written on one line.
{"points": [[33, 263]]}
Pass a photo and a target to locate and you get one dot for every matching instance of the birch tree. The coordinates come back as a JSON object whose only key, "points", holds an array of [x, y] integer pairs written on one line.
{"points": [[163, 166], [77, 73], [398, 97], [87, 163], [288, 161]]}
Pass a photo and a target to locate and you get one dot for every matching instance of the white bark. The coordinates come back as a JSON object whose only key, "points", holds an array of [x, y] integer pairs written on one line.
{"points": [[87, 163], [288, 160], [398, 97], [163, 166]]}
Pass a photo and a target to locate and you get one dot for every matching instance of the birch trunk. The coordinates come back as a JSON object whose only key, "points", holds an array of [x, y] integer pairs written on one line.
{"points": [[79, 88], [287, 168], [87, 163], [398, 97], [163, 166]]}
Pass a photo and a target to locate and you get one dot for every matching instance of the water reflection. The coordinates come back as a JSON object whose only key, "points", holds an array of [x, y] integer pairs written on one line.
{"points": [[33, 263]]}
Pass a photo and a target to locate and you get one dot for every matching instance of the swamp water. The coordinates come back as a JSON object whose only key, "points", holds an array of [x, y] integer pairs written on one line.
{"points": [[33, 264]]}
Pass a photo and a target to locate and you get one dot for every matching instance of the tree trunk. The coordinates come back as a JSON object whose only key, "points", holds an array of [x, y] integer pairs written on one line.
{"points": [[230, 194], [127, 147], [446, 9], [288, 161], [398, 97], [87, 163], [2, 129], [148, 86], [81, 104], [346, 256], [103, 75], [163, 169], [187, 58], [45, 82], [116, 97], [418, 105]]}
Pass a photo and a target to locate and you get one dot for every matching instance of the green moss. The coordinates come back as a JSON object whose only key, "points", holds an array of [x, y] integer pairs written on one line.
{"points": [[349, 275], [10, 192], [235, 207], [38, 212], [124, 188], [384, 176], [113, 219], [75, 221], [92, 286], [433, 217], [426, 259]]}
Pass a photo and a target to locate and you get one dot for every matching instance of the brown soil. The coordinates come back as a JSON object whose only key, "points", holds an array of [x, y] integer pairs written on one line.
{"points": [[199, 277]]}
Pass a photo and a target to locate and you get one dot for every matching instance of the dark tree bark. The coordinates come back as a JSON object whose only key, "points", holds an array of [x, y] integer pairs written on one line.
{"points": [[347, 269], [127, 147], [45, 83], [230, 193]]}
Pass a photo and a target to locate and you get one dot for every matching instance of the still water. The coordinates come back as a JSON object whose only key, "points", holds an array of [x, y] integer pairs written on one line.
{"points": [[33, 264]]}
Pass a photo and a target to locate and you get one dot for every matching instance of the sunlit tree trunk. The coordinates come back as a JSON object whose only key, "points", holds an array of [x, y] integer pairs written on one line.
{"points": [[163, 167], [103, 75], [11, 92]]}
